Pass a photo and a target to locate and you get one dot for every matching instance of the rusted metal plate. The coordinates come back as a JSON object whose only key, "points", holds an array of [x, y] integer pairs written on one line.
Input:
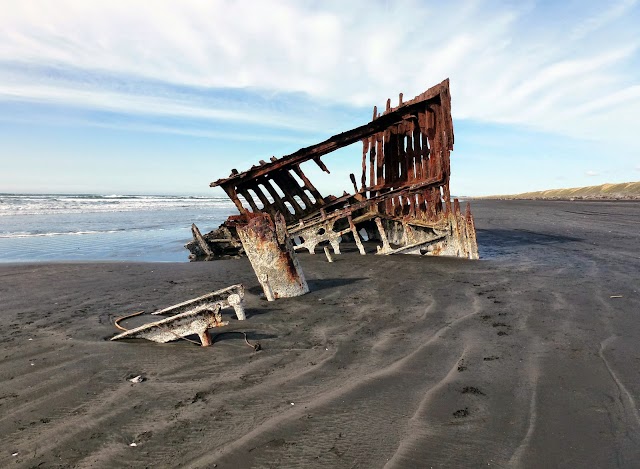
{"points": [[270, 251], [196, 321], [453, 236], [404, 183]]}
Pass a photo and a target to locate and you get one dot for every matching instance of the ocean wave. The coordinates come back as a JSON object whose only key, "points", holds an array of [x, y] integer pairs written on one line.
{"points": [[14, 204], [69, 233]]}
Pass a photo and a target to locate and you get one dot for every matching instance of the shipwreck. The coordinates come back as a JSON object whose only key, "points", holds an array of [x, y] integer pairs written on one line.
{"points": [[401, 200], [401, 197]]}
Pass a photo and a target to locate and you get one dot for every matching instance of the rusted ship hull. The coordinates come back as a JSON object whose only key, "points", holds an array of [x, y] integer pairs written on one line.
{"points": [[401, 198]]}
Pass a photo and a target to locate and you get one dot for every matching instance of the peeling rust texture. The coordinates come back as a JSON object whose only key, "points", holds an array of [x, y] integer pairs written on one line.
{"points": [[404, 183], [270, 251]]}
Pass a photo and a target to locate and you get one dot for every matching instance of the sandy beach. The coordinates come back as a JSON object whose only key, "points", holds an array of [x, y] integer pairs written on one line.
{"points": [[526, 358]]}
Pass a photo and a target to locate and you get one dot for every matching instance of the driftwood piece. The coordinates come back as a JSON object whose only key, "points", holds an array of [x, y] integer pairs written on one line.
{"points": [[196, 321]]}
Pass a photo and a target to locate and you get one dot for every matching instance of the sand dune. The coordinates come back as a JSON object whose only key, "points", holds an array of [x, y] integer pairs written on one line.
{"points": [[622, 191], [521, 359]]}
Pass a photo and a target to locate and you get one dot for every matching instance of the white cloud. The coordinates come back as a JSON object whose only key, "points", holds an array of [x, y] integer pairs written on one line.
{"points": [[591, 173], [107, 100], [508, 62], [604, 17]]}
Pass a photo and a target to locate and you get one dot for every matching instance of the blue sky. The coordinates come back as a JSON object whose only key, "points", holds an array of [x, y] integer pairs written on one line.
{"points": [[164, 97]]}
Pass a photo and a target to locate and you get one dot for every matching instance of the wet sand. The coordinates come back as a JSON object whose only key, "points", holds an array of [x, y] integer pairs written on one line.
{"points": [[521, 359]]}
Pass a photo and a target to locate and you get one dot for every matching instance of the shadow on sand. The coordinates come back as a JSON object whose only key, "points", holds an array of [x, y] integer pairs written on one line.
{"points": [[494, 243], [316, 284]]}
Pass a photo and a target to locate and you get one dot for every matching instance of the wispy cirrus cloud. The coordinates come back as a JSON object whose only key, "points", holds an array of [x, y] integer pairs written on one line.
{"points": [[128, 103], [508, 61], [602, 18]]}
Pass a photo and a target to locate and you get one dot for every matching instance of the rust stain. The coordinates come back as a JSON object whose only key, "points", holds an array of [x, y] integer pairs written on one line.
{"points": [[404, 182], [269, 248]]}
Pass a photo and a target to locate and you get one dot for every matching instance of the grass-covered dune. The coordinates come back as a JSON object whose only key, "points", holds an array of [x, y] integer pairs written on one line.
{"points": [[625, 190]]}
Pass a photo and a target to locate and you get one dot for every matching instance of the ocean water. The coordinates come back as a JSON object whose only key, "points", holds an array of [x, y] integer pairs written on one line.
{"points": [[52, 227]]}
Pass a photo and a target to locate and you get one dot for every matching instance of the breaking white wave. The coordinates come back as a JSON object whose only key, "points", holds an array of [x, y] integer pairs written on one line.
{"points": [[69, 233], [16, 204], [104, 227]]}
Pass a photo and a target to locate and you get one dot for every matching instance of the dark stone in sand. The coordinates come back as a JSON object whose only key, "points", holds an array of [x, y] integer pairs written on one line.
{"points": [[472, 390], [461, 413]]}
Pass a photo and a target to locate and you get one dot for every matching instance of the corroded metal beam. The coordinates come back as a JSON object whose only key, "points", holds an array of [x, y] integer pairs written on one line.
{"points": [[232, 296], [270, 251], [390, 117], [196, 321], [404, 185]]}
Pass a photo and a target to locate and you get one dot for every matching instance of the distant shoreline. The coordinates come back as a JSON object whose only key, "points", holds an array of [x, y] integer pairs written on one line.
{"points": [[560, 199], [621, 192]]}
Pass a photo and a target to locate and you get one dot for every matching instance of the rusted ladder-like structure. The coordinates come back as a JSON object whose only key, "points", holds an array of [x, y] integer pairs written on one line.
{"points": [[401, 198]]}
